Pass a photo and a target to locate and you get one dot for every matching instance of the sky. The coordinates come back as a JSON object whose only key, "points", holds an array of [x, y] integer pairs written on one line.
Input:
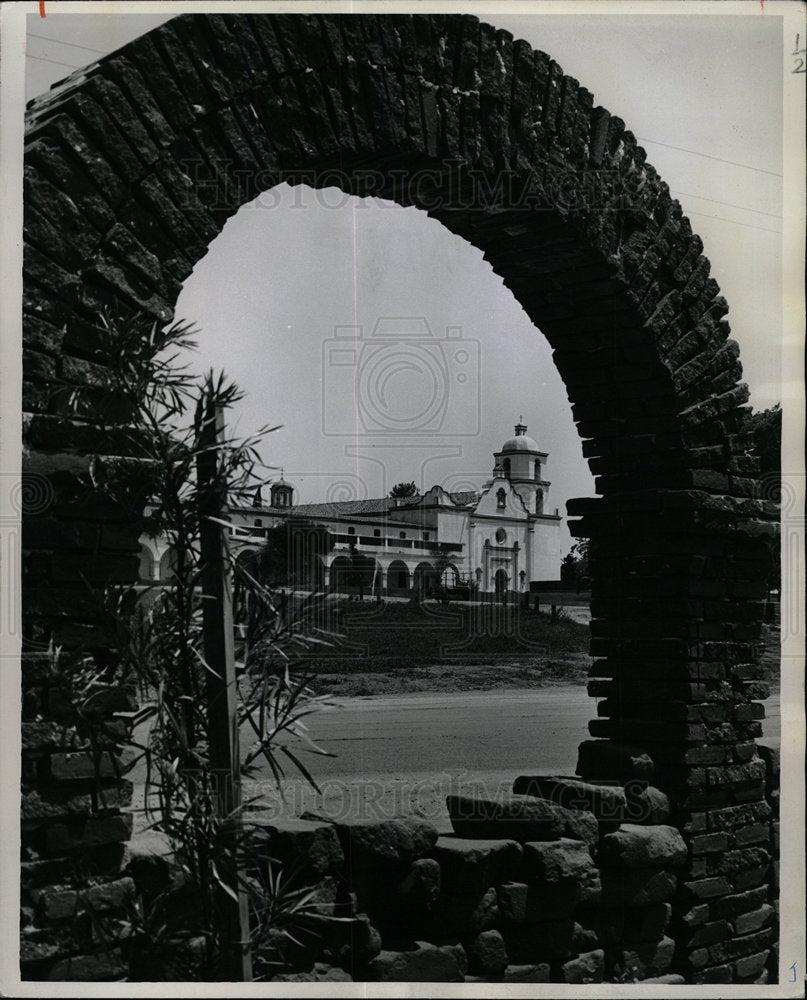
{"points": [[292, 275]]}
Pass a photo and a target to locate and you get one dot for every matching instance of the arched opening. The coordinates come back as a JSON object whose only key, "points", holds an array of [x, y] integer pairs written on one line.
{"points": [[539, 501], [500, 586], [317, 577], [424, 580], [145, 570], [397, 577], [168, 565], [338, 578], [506, 467]]}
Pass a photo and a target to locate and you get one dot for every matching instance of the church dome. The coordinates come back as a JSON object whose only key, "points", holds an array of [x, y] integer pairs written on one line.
{"points": [[521, 442]]}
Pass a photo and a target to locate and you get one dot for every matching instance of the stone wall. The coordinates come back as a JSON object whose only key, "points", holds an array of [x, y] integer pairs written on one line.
{"points": [[564, 882], [133, 166], [78, 905]]}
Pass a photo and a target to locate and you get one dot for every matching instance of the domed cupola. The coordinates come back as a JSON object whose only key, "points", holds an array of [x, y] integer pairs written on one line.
{"points": [[520, 443], [281, 493], [521, 461]]}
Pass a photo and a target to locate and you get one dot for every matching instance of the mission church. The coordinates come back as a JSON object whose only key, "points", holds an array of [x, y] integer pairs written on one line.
{"points": [[500, 540]]}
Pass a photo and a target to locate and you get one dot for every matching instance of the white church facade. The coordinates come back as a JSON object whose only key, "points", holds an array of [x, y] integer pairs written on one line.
{"points": [[501, 540]]}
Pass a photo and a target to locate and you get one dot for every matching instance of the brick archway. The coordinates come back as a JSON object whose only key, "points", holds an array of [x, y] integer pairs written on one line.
{"points": [[134, 165]]}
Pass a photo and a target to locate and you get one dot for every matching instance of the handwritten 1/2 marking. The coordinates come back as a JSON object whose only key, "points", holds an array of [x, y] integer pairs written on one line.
{"points": [[793, 970], [798, 54]]}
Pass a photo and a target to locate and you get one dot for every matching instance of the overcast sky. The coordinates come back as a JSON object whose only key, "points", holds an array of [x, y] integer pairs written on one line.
{"points": [[702, 94]]}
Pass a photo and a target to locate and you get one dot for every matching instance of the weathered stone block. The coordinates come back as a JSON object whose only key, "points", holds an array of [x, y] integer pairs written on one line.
{"points": [[526, 973], [150, 861], [547, 941], [745, 902], [709, 843], [100, 967], [633, 846], [644, 960], [303, 845], [371, 844], [588, 967], [487, 955], [97, 830], [56, 904], [636, 886], [751, 965], [530, 903], [321, 973], [464, 915], [83, 764], [746, 923], [469, 865], [424, 963], [346, 941], [517, 817], [558, 860], [707, 933], [606, 802], [107, 860]]}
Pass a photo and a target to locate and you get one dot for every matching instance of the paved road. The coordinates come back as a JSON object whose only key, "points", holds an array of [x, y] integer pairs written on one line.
{"points": [[405, 752]]}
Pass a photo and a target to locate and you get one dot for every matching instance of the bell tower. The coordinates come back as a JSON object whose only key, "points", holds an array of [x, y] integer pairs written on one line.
{"points": [[522, 462], [281, 493]]}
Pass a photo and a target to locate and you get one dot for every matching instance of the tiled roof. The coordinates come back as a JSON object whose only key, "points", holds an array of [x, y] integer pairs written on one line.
{"points": [[358, 508], [343, 508]]}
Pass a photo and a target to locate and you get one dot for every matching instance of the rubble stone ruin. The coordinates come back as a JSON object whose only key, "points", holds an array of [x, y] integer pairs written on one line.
{"points": [[132, 167]]}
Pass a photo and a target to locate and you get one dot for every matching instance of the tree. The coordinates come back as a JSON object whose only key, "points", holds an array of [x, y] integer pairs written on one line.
{"points": [[574, 567], [404, 491], [766, 428], [286, 559]]}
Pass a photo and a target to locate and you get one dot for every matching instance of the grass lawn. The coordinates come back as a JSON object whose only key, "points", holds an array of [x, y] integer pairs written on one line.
{"points": [[396, 647]]}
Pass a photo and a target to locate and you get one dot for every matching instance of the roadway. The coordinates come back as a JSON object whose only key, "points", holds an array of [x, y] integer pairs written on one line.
{"points": [[405, 752]]}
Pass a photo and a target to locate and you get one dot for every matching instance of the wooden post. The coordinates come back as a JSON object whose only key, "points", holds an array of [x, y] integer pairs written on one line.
{"points": [[221, 692]]}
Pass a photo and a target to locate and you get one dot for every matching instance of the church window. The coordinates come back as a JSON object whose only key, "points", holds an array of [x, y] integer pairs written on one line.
{"points": [[506, 467], [351, 530], [501, 499]]}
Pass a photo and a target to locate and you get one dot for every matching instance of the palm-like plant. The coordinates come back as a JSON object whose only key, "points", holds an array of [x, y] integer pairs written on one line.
{"points": [[161, 643]]}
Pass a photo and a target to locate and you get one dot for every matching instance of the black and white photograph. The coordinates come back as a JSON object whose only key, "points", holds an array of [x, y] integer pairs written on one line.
{"points": [[402, 498]]}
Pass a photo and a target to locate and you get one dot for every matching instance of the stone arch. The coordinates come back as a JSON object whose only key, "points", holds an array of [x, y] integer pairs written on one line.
{"points": [[134, 164], [397, 576], [338, 579], [424, 578]]}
